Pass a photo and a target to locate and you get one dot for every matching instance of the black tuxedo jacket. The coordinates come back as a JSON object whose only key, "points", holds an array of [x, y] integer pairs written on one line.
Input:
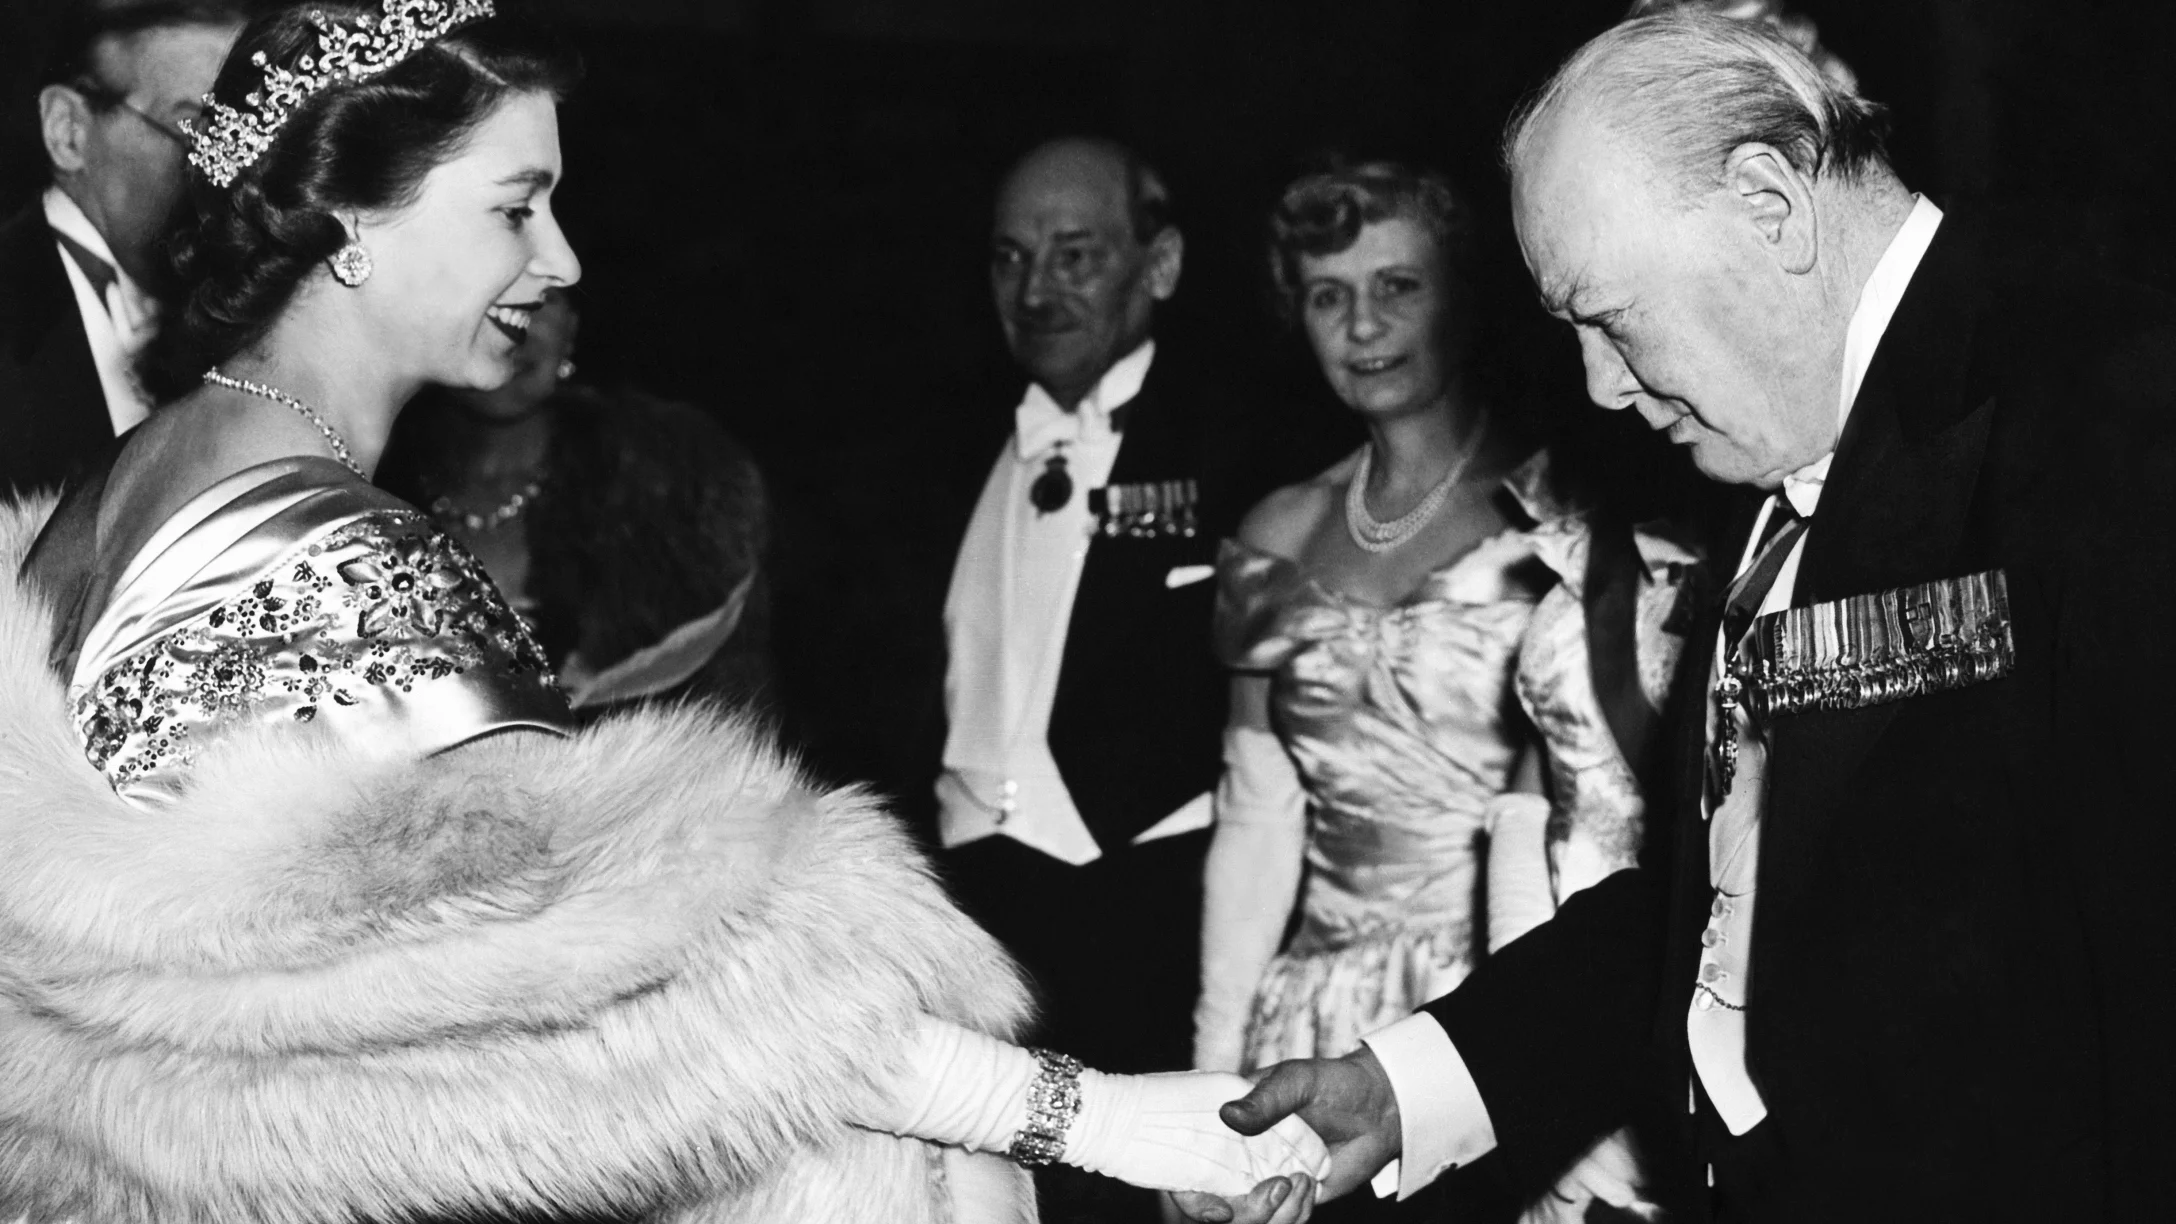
{"points": [[52, 408], [1138, 720], [1962, 1001]]}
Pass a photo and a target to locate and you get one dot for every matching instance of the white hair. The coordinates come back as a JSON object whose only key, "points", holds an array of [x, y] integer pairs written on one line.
{"points": [[1692, 85]]}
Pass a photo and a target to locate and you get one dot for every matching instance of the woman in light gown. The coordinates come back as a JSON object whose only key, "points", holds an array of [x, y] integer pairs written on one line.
{"points": [[1381, 621], [312, 904]]}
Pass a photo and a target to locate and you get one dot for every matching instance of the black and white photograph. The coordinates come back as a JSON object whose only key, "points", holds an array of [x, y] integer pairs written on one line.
{"points": [[1087, 611]]}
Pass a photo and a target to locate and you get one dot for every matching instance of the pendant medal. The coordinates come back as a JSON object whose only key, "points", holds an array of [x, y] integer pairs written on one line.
{"points": [[1053, 489]]}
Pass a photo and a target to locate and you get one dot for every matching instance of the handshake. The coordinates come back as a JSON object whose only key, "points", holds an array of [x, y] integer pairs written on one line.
{"points": [[1345, 1109], [1321, 1127]]}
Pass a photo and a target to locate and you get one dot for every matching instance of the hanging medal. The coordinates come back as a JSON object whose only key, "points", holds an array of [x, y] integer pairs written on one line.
{"points": [[1053, 488]]}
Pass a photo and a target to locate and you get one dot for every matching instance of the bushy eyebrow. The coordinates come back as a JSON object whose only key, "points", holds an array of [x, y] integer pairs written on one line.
{"points": [[1559, 301]]}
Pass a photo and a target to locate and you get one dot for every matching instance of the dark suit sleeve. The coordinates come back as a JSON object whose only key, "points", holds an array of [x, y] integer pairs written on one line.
{"points": [[1557, 1027]]}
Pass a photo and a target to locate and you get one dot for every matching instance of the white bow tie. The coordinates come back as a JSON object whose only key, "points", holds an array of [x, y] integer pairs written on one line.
{"points": [[1040, 425]]}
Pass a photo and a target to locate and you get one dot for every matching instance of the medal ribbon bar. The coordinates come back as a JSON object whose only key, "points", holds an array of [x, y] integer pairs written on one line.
{"points": [[1142, 511], [1886, 646]]}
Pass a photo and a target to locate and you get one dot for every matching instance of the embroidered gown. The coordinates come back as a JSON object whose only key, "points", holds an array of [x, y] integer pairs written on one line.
{"points": [[274, 596], [525, 976]]}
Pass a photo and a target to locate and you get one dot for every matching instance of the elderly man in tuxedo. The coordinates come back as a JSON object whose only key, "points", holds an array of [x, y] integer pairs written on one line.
{"points": [[80, 268], [1912, 953]]}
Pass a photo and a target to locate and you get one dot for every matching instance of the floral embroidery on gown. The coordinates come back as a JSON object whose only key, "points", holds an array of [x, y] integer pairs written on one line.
{"points": [[1403, 726], [283, 593]]}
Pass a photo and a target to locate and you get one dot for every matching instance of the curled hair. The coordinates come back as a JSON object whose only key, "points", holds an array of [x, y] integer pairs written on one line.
{"points": [[353, 146], [1692, 85], [1323, 213]]}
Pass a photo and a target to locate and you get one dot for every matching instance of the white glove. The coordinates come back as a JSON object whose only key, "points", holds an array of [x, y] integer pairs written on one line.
{"points": [[1162, 1132], [1610, 1171], [1156, 1131], [1248, 886], [1518, 866]]}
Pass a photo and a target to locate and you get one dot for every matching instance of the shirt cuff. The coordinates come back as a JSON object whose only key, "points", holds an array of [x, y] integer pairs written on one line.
{"points": [[1444, 1122]]}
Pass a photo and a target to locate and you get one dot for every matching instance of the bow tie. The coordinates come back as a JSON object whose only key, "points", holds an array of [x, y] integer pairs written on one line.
{"points": [[1042, 426]]}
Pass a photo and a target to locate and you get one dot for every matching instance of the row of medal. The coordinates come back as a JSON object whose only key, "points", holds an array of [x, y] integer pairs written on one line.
{"points": [[1886, 646], [1143, 511]]}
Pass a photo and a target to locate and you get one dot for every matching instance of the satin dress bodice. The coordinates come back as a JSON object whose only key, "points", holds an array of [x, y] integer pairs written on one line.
{"points": [[283, 596], [1402, 722]]}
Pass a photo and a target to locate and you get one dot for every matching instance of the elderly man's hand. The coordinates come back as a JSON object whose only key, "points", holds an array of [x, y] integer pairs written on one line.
{"points": [[1349, 1103]]}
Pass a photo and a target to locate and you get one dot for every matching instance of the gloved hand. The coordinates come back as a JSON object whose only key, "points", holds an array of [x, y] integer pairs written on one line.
{"points": [[1162, 1132]]}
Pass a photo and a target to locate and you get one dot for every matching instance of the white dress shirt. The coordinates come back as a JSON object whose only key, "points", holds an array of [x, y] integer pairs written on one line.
{"points": [[117, 324], [1006, 618], [1445, 1122]]}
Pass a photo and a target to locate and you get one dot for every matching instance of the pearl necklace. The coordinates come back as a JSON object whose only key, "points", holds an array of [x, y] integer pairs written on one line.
{"points": [[277, 396], [1380, 537]]}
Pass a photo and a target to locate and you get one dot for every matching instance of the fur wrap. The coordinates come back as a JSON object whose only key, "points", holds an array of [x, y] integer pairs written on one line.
{"points": [[647, 968]]}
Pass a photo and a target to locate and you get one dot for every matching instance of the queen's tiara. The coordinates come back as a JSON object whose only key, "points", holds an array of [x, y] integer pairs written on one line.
{"points": [[227, 141]]}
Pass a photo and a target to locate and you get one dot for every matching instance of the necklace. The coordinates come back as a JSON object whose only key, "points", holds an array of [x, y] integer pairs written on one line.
{"points": [[277, 396], [443, 509], [1378, 537]]}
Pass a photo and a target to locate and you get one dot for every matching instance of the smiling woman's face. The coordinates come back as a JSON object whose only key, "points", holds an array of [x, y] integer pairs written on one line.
{"points": [[1376, 314], [459, 271]]}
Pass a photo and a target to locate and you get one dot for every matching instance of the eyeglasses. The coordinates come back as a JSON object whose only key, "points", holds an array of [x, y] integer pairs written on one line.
{"points": [[107, 98]]}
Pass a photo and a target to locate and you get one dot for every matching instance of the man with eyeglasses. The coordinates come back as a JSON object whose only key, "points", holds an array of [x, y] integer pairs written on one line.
{"points": [[81, 268]]}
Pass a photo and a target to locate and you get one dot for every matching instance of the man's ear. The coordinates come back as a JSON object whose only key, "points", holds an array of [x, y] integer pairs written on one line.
{"points": [[1777, 201], [1166, 255], [64, 121]]}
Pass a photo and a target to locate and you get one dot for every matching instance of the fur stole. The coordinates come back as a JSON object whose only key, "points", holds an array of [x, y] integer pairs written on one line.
{"points": [[647, 969]]}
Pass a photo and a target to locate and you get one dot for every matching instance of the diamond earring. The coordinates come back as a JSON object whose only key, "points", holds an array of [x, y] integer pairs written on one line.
{"points": [[566, 369], [351, 264]]}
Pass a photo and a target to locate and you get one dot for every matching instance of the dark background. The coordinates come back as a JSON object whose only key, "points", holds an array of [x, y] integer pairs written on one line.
{"points": [[782, 211]]}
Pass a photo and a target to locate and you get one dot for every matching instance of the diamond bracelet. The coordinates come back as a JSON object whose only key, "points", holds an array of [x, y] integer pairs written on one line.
{"points": [[1053, 1103]]}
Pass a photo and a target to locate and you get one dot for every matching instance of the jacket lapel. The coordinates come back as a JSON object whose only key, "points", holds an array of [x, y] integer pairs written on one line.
{"points": [[1157, 445], [1894, 512], [52, 406]]}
